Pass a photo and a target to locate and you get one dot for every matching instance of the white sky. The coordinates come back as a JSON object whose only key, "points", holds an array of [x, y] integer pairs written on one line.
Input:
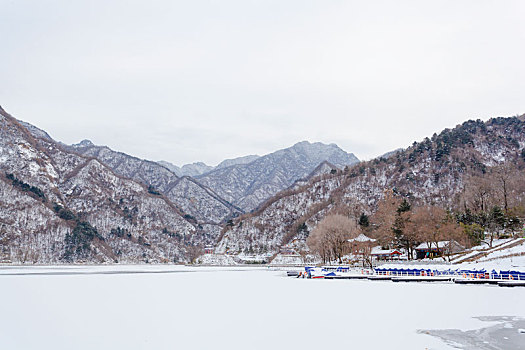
{"points": [[198, 80]]}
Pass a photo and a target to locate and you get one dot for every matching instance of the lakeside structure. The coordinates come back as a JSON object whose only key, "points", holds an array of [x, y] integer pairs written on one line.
{"points": [[437, 249], [379, 254]]}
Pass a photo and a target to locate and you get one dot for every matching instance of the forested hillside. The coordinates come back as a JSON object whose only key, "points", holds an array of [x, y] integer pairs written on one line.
{"points": [[87, 203], [58, 206], [473, 172], [191, 197]]}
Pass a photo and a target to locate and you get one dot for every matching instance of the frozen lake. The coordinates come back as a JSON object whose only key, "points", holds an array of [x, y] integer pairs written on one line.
{"points": [[167, 307]]}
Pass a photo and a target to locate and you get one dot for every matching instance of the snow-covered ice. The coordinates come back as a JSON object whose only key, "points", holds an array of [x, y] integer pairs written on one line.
{"points": [[173, 307]]}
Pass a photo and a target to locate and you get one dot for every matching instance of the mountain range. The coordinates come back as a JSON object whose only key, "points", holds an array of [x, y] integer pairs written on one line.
{"points": [[89, 203], [248, 185], [85, 203], [61, 206], [186, 193], [433, 171]]}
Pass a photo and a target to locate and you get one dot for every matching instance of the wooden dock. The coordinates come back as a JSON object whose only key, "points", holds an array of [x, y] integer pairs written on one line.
{"points": [[379, 277], [421, 278], [511, 284], [476, 281]]}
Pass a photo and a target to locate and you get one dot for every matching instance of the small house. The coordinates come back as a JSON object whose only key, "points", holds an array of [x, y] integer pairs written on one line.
{"points": [[437, 249], [209, 249], [385, 254]]}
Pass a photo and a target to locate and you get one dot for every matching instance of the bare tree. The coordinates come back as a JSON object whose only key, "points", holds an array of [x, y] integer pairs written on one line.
{"points": [[452, 232], [329, 238], [193, 252], [478, 194], [384, 219], [424, 224], [502, 176], [431, 224]]}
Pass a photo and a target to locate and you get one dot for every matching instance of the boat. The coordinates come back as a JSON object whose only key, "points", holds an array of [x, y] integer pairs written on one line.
{"points": [[317, 272]]}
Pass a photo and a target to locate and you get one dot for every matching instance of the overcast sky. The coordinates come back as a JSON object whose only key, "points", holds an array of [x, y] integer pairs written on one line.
{"points": [[194, 80]]}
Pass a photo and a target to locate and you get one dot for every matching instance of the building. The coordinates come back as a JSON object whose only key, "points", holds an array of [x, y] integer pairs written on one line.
{"points": [[437, 249], [385, 254], [209, 249], [361, 247], [362, 239]]}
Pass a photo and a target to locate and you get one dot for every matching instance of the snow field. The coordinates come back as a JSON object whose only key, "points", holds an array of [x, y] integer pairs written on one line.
{"points": [[218, 308]]}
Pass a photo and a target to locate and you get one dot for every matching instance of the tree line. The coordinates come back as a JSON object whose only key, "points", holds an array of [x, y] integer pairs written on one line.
{"points": [[491, 205]]}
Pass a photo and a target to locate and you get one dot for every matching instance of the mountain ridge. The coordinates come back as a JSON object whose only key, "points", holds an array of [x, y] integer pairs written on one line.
{"points": [[200, 168], [249, 185], [431, 171], [59, 206], [192, 197]]}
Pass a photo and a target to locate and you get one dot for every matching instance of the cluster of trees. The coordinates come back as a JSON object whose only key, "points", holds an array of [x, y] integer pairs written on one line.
{"points": [[491, 205], [153, 190], [26, 187], [398, 224], [120, 232], [330, 238], [447, 187], [64, 213], [78, 242]]}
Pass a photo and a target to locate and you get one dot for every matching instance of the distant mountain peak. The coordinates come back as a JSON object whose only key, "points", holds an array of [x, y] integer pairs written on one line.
{"points": [[195, 169], [302, 143], [84, 143], [249, 185]]}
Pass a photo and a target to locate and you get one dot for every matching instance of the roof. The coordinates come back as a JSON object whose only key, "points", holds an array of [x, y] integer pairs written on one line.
{"points": [[440, 244], [379, 251], [362, 238]]}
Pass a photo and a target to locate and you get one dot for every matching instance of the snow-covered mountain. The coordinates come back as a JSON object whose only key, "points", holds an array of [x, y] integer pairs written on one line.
{"points": [[189, 195], [60, 206], [89, 203], [200, 168], [248, 185], [431, 171], [193, 169]]}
